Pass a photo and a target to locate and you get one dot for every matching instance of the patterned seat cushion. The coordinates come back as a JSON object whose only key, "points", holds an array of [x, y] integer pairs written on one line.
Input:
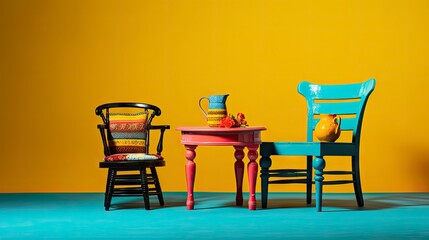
{"points": [[132, 156], [127, 133]]}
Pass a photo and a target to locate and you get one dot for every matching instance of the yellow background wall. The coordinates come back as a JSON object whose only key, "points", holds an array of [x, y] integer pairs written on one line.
{"points": [[60, 59]]}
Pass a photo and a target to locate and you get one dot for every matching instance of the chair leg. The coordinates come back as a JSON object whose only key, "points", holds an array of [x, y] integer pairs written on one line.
{"points": [[319, 164], [157, 186], [356, 181], [145, 188], [265, 164], [309, 178], [110, 185], [107, 188]]}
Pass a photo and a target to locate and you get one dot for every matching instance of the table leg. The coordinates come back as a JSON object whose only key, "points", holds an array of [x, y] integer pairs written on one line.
{"points": [[252, 172], [239, 172], [190, 168]]}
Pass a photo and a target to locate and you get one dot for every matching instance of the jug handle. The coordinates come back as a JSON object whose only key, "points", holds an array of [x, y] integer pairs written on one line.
{"points": [[199, 104], [338, 120]]}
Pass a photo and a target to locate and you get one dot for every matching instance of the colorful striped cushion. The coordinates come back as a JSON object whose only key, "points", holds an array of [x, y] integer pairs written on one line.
{"points": [[132, 157], [127, 132]]}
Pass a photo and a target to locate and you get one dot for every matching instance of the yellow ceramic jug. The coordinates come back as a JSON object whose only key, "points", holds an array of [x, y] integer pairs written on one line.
{"points": [[328, 128]]}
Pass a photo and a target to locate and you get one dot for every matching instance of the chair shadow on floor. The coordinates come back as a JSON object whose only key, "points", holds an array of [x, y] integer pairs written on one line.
{"points": [[347, 202], [138, 203]]}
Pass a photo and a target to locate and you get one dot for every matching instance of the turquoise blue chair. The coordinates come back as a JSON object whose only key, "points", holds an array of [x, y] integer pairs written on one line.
{"points": [[346, 100]]}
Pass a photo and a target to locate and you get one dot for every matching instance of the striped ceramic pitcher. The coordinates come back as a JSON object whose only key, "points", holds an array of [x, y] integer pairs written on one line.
{"points": [[216, 109]]}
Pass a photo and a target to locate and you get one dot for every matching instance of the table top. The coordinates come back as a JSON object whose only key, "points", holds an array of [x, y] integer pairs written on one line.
{"points": [[219, 136], [219, 129]]}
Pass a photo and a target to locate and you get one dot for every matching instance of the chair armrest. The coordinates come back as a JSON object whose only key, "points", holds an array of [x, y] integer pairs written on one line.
{"points": [[103, 128], [159, 127], [162, 128]]}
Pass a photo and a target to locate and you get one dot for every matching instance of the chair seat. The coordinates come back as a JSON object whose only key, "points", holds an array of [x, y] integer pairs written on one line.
{"points": [[132, 157], [133, 165], [308, 148]]}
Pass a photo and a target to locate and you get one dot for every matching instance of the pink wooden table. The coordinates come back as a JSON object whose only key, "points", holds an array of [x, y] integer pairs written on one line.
{"points": [[239, 138]]}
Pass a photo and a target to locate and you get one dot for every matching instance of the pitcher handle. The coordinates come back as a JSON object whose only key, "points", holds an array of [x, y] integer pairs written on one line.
{"points": [[199, 104], [338, 119]]}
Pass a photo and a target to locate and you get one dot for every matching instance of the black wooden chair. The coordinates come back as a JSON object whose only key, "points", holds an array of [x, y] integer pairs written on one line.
{"points": [[125, 134]]}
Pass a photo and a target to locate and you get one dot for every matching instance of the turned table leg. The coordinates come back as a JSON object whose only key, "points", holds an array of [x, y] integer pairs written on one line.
{"points": [[190, 168], [252, 172], [239, 172]]}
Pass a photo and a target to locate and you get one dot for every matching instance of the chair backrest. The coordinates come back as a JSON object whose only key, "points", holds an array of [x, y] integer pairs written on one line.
{"points": [[346, 100], [127, 125]]}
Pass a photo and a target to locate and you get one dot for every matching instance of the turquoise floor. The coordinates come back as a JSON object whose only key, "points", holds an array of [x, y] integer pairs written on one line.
{"points": [[82, 216]]}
